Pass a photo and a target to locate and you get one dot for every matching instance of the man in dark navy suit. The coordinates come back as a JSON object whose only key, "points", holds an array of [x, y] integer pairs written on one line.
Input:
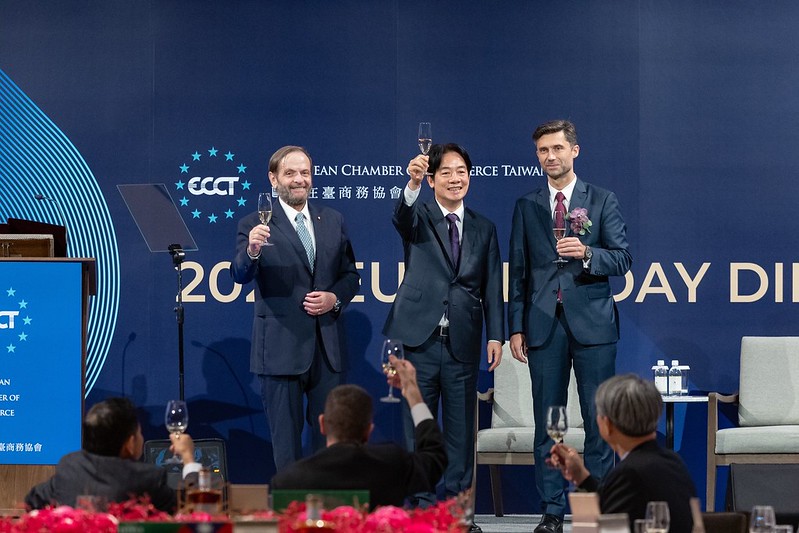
{"points": [[303, 281], [562, 314], [452, 285]]}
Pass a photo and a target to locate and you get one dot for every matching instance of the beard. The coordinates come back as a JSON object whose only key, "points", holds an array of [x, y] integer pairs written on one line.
{"points": [[292, 200]]}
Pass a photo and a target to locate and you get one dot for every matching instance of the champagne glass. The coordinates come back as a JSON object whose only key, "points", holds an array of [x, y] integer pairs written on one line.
{"points": [[176, 417], [425, 137], [265, 210], [658, 518], [557, 423], [762, 520], [391, 347], [559, 233]]}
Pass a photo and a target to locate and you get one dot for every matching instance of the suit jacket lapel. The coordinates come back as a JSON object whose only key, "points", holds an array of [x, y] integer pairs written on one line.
{"points": [[282, 224], [545, 213], [441, 230], [468, 239]]}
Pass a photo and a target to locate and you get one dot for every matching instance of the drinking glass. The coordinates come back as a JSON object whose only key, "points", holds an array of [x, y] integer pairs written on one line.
{"points": [[557, 422], [425, 137], [559, 233], [176, 417], [762, 520], [390, 347], [265, 211], [657, 517]]}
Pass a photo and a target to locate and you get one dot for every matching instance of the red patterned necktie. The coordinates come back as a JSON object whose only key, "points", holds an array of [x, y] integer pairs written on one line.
{"points": [[560, 223]]}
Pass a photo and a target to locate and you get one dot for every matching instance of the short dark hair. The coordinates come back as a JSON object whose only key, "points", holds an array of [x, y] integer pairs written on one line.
{"points": [[280, 155], [348, 413], [632, 403], [437, 152], [554, 126], [108, 425]]}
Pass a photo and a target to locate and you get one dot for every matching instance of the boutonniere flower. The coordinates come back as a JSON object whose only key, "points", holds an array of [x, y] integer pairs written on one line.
{"points": [[580, 223]]}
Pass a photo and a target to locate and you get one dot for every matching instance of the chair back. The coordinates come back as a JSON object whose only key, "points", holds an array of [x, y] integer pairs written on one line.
{"points": [[513, 399], [768, 391]]}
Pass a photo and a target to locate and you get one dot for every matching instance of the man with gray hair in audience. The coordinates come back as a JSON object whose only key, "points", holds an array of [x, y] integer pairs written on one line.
{"points": [[627, 411]]}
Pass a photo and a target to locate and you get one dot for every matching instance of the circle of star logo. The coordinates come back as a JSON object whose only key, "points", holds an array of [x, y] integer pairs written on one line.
{"points": [[16, 322], [210, 185]]}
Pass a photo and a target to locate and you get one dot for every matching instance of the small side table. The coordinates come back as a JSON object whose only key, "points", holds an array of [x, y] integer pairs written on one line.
{"points": [[670, 400]]}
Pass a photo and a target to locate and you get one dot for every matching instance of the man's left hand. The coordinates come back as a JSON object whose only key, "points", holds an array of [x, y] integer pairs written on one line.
{"points": [[571, 247], [494, 351], [319, 302]]}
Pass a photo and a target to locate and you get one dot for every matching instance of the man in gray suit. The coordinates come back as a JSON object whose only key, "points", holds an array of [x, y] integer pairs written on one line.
{"points": [[561, 312], [303, 281], [452, 283]]}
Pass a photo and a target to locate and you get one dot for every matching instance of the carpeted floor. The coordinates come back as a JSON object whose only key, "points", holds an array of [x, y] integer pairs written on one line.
{"points": [[513, 523]]}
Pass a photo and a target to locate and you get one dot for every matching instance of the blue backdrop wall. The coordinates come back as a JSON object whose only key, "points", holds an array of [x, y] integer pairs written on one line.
{"points": [[686, 109]]}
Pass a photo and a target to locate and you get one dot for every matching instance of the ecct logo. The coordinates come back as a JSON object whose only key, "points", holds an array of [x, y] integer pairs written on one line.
{"points": [[222, 186], [9, 324]]}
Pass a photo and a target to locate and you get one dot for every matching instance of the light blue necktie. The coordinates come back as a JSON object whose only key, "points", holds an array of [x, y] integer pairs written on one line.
{"points": [[305, 237]]}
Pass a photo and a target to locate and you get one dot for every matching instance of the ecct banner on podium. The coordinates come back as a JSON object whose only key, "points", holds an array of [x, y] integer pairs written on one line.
{"points": [[41, 394]]}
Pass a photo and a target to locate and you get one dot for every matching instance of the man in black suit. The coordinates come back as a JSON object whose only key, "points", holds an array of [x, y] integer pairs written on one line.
{"points": [[627, 411], [452, 283], [109, 467], [303, 281], [388, 471]]}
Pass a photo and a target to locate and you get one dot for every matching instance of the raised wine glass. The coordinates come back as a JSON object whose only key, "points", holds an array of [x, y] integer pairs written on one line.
{"points": [[425, 137], [657, 518], [265, 211], [176, 417], [390, 347], [557, 422]]}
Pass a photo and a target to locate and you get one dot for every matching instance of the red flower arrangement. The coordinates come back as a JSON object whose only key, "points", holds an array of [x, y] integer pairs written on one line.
{"points": [[445, 517]]}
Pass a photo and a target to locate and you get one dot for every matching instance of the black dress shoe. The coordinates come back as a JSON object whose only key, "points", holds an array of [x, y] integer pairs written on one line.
{"points": [[474, 528], [549, 524]]}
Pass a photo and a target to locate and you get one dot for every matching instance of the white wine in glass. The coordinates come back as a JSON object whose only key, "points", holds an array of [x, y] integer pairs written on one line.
{"points": [[176, 417], [559, 233], [425, 137], [658, 518], [390, 347], [557, 423], [265, 210]]}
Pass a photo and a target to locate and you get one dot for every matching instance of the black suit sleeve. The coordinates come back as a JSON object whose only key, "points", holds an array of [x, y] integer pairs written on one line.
{"points": [[426, 465]]}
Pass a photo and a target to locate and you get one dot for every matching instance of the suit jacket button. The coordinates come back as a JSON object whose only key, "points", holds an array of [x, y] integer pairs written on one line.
{"points": [[446, 302]]}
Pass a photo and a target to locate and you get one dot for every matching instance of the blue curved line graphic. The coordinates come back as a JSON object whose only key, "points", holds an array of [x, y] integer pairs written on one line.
{"points": [[36, 157]]}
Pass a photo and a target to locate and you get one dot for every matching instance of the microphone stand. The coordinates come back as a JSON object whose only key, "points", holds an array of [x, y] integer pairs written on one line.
{"points": [[178, 255]]}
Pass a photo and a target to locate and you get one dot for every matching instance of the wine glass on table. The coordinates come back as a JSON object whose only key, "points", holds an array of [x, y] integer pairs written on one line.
{"points": [[762, 519], [657, 518], [265, 210], [390, 347], [425, 138]]}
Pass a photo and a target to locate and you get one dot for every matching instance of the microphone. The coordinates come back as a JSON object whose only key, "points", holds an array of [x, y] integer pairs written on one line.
{"points": [[39, 197]]}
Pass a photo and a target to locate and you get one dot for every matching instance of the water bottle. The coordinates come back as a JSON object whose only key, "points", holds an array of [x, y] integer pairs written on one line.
{"points": [[675, 377], [661, 376]]}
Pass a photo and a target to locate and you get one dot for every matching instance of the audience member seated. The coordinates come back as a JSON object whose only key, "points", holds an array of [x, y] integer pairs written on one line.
{"points": [[108, 465], [627, 411], [388, 471]]}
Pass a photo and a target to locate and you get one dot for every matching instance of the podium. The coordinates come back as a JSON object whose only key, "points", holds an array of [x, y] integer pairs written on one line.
{"points": [[44, 306]]}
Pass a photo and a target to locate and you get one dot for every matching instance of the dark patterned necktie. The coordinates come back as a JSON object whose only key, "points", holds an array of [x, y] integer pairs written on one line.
{"points": [[454, 238], [305, 238]]}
